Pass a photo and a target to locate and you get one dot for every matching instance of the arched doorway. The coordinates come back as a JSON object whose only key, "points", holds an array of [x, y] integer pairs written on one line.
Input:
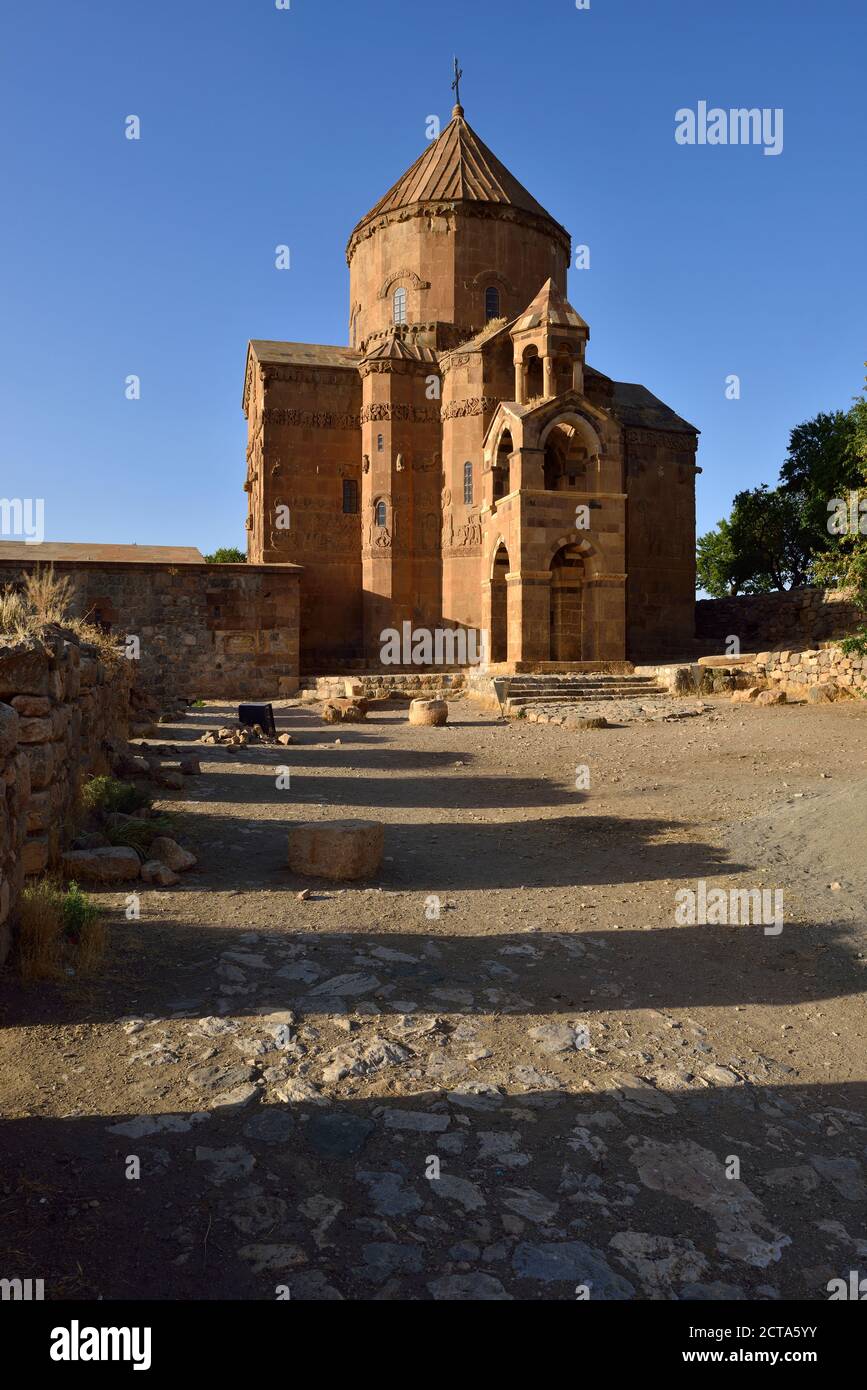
{"points": [[534, 379], [567, 605], [502, 483], [566, 459], [499, 606]]}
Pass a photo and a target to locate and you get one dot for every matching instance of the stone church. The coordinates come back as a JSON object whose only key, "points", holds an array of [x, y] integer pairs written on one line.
{"points": [[460, 464]]}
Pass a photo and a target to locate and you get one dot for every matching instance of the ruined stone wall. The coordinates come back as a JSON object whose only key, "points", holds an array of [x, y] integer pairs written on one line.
{"points": [[794, 618], [205, 631], [60, 705]]}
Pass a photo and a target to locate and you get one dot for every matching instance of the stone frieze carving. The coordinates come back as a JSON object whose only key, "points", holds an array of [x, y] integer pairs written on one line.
{"points": [[666, 438], [472, 405], [378, 540], [408, 275], [308, 376], [464, 540], [310, 419], [389, 410], [449, 210]]}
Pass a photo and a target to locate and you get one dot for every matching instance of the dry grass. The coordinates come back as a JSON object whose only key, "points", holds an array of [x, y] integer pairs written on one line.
{"points": [[14, 618], [57, 928], [91, 947], [491, 328], [105, 644], [48, 596], [40, 598], [40, 931]]}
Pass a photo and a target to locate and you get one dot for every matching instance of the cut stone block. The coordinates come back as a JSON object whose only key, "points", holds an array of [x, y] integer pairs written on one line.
{"points": [[115, 864], [337, 849]]}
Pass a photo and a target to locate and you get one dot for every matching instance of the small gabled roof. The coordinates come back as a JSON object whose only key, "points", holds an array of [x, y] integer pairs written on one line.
{"points": [[458, 167], [549, 307], [396, 346]]}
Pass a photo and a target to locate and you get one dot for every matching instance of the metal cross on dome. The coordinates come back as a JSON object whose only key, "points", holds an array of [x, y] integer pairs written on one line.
{"points": [[456, 85]]}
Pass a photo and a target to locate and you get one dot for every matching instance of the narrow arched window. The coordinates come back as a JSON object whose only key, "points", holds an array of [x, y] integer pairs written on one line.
{"points": [[379, 443], [492, 303], [350, 497], [380, 514], [468, 484], [400, 306]]}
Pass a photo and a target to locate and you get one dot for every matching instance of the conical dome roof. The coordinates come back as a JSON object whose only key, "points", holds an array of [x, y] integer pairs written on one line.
{"points": [[458, 167], [549, 307]]}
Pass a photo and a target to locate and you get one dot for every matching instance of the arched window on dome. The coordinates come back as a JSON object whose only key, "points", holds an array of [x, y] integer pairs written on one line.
{"points": [[468, 484], [400, 306], [380, 514], [492, 303]]}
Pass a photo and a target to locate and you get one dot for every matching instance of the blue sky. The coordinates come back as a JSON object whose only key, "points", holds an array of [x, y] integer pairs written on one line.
{"points": [[262, 126]]}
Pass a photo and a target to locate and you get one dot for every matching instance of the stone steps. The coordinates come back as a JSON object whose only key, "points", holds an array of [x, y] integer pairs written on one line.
{"points": [[524, 691]]}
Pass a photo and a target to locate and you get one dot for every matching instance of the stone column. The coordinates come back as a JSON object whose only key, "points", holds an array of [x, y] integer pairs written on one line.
{"points": [[519, 380], [548, 367], [578, 374]]}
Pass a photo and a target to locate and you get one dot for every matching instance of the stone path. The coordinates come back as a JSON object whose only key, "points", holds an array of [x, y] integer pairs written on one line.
{"points": [[501, 1072]]}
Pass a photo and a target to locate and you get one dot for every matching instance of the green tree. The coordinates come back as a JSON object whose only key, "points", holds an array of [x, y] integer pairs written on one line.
{"points": [[822, 463], [716, 568], [764, 545], [771, 538], [844, 563], [227, 555]]}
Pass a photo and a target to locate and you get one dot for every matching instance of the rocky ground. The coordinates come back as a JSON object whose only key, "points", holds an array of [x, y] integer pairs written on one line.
{"points": [[503, 1069]]}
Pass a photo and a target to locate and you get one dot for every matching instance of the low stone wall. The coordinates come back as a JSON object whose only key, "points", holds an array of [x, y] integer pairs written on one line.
{"points": [[204, 631], [826, 669], [794, 618], [60, 705], [797, 672], [410, 685]]}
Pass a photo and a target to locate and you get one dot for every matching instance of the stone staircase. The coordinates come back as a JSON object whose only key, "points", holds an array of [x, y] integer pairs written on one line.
{"points": [[578, 688]]}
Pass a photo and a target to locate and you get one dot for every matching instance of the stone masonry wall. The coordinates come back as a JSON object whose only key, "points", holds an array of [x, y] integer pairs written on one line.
{"points": [[794, 618], [60, 705], [813, 673], [796, 672], [205, 631]]}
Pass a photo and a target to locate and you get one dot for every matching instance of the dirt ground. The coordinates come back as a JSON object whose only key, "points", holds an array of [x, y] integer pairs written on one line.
{"points": [[501, 1070]]}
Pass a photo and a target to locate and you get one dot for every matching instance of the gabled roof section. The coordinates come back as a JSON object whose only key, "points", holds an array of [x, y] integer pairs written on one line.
{"points": [[394, 346], [266, 351], [304, 354], [549, 307], [458, 167], [637, 407]]}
